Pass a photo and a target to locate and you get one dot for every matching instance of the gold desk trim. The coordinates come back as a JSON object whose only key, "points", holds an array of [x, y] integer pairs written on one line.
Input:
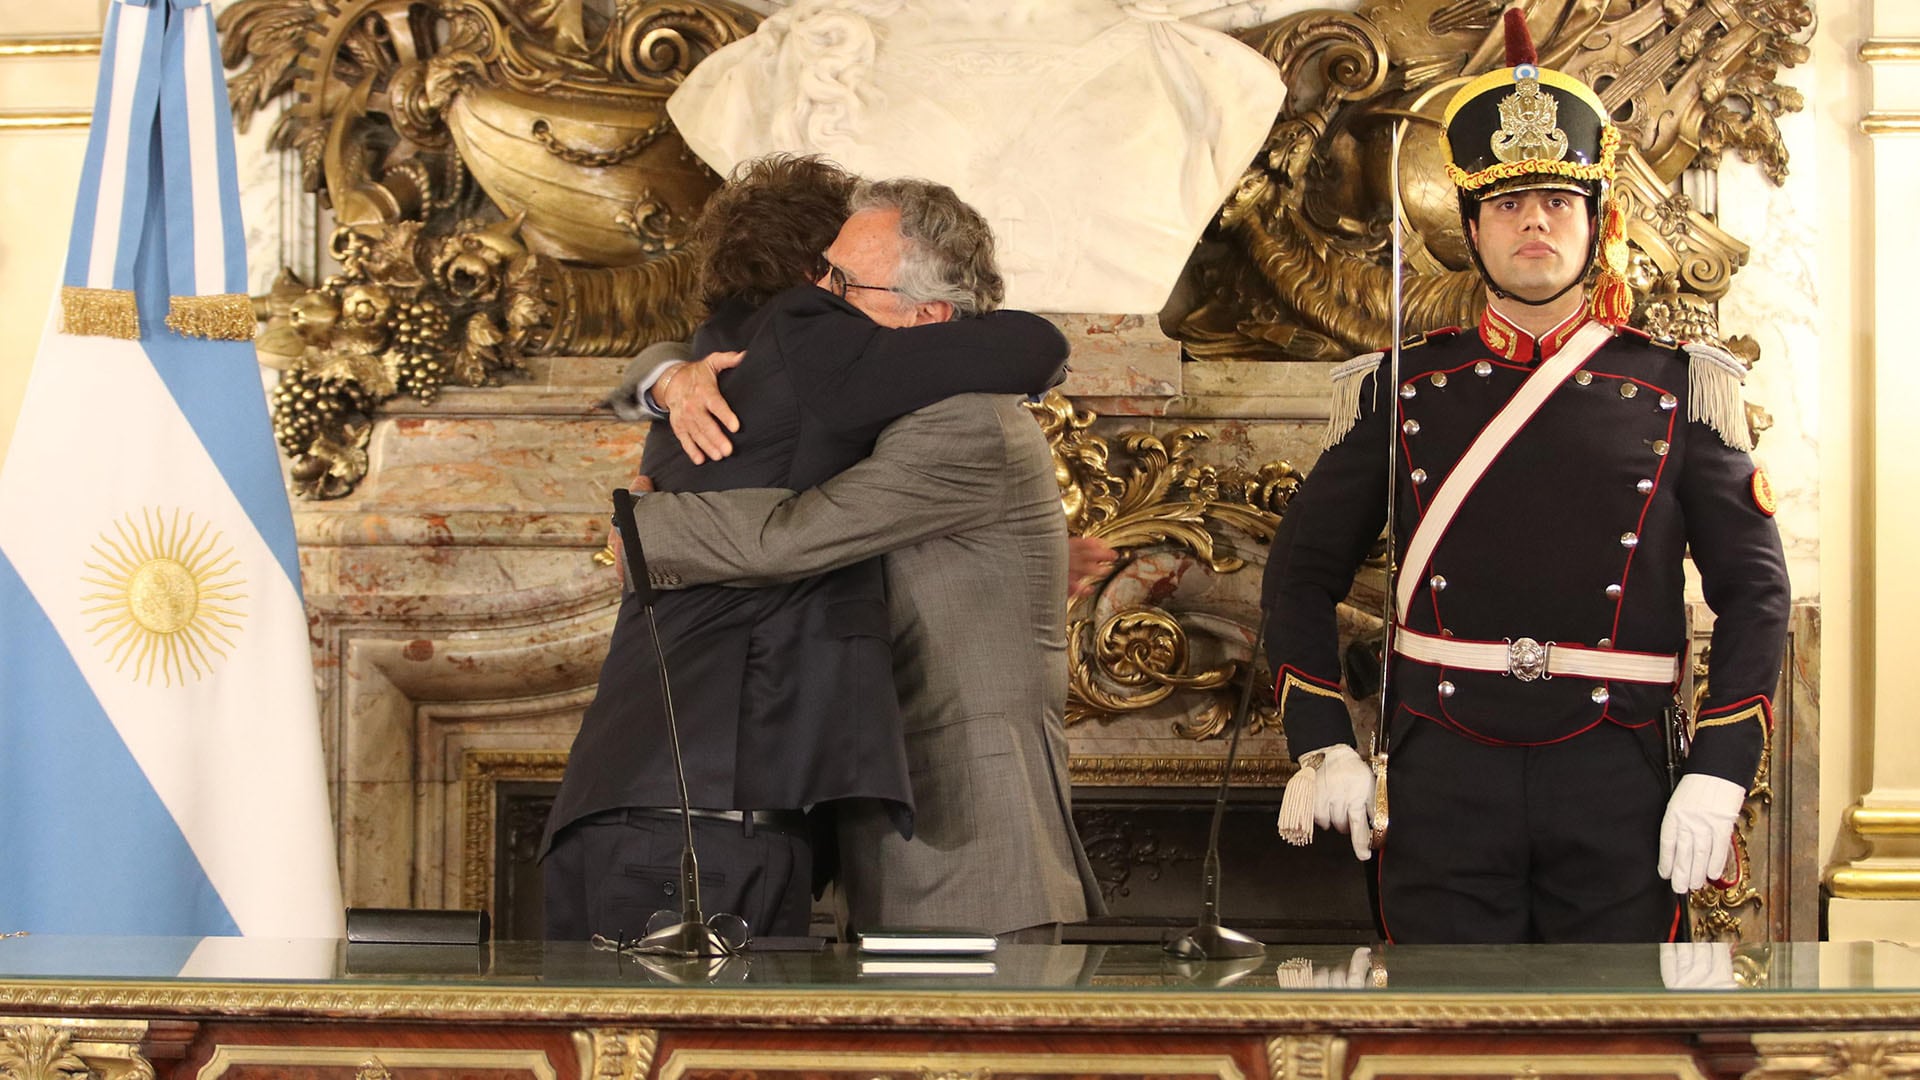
{"points": [[1891, 51], [1884, 820], [968, 1064], [25, 45], [50, 120], [1891, 123], [1874, 883], [894, 1009], [1614, 1066], [535, 1062]]}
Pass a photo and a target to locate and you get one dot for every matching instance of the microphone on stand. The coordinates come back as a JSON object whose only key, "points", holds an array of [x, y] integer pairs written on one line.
{"points": [[687, 932], [1209, 940]]}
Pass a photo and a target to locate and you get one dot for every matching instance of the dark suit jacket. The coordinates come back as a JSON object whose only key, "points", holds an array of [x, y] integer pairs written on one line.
{"points": [[784, 695]]}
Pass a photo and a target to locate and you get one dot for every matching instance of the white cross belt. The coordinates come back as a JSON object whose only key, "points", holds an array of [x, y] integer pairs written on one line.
{"points": [[1527, 659]]}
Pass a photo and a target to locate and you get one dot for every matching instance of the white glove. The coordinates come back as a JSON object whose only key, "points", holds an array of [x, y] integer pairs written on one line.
{"points": [[1696, 836], [1696, 965], [1343, 796]]}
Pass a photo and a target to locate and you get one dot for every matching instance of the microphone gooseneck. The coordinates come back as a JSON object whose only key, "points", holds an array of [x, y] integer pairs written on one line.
{"points": [[1209, 940], [689, 935]]}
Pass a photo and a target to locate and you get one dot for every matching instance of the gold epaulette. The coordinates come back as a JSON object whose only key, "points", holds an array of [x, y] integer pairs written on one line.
{"points": [[1714, 377], [1349, 381]]}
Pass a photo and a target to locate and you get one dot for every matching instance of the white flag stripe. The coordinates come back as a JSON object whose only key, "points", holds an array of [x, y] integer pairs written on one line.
{"points": [[254, 958], [209, 225], [256, 823], [110, 205]]}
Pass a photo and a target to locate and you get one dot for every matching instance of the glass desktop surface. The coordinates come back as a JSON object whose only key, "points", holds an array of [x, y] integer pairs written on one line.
{"points": [[1119, 969]]}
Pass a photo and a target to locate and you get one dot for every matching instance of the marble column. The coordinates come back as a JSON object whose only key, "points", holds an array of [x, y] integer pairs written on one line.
{"points": [[1875, 883]]}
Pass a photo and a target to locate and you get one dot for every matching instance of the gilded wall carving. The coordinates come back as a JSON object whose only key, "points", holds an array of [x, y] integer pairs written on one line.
{"points": [[1126, 650]]}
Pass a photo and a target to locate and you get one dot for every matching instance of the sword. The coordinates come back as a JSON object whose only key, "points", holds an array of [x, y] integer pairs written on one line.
{"points": [[1377, 745]]}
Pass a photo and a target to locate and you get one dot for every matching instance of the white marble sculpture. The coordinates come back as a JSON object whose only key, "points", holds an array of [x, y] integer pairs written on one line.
{"points": [[1098, 137]]}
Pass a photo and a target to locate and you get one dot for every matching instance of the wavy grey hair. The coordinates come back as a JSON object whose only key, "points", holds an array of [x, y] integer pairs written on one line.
{"points": [[948, 249]]}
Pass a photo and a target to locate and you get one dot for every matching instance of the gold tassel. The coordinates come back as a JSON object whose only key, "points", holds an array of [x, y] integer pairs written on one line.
{"points": [[1296, 804], [1713, 393], [1612, 300], [1349, 380], [99, 313], [219, 317]]}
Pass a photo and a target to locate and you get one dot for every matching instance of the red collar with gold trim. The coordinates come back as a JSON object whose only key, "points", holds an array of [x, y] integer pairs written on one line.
{"points": [[1512, 343]]}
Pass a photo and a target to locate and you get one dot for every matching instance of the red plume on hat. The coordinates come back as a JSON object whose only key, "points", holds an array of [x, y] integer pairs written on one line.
{"points": [[1519, 40]]}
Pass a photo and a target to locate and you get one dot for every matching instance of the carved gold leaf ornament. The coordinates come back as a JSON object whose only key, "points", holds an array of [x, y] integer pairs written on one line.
{"points": [[35, 1052], [169, 601], [1157, 504]]}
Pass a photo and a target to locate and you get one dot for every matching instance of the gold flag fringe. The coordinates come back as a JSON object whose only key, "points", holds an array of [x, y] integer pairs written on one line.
{"points": [[1349, 380], [1713, 393], [219, 317], [99, 313]]}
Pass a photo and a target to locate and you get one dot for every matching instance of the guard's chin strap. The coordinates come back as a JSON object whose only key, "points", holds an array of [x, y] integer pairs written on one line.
{"points": [[1494, 288]]}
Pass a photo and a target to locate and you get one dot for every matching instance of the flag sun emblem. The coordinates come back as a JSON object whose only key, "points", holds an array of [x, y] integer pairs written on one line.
{"points": [[168, 599]]}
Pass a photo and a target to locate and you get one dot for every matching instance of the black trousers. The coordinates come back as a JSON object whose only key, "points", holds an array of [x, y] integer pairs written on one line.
{"points": [[1508, 844], [609, 873]]}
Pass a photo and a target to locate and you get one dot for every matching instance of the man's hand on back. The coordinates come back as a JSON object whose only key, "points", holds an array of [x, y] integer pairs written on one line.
{"points": [[1089, 559], [700, 417]]}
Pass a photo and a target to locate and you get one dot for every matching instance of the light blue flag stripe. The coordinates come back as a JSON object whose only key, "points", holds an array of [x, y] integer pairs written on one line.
{"points": [[178, 168], [80, 245], [118, 860], [140, 140], [234, 233], [216, 384]]}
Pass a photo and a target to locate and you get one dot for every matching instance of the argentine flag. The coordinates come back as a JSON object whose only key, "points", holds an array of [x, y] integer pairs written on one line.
{"points": [[160, 762]]}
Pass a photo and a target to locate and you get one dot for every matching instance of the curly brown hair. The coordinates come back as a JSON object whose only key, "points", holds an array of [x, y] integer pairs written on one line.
{"points": [[764, 230]]}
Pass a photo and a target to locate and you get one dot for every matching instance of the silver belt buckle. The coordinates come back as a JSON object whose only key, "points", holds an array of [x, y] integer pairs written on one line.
{"points": [[1527, 658]]}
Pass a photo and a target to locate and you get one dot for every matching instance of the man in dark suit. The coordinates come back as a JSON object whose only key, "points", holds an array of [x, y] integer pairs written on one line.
{"points": [[784, 694], [1554, 470]]}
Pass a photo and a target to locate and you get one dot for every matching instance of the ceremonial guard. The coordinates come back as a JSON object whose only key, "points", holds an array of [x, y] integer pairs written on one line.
{"points": [[1550, 471]]}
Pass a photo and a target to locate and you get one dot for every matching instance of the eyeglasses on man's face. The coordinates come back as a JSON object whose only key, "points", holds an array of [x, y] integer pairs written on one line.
{"points": [[838, 283]]}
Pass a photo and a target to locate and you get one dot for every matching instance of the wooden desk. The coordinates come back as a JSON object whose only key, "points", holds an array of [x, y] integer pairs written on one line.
{"points": [[164, 1009]]}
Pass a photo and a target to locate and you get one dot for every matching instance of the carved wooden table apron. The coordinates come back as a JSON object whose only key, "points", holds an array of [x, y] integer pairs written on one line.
{"points": [[134, 1009]]}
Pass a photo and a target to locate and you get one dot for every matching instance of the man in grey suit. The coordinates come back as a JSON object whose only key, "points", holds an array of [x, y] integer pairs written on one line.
{"points": [[961, 498]]}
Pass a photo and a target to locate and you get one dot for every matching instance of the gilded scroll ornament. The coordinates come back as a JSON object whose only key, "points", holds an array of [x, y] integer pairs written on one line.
{"points": [[73, 1050], [1296, 265], [616, 1053], [504, 181], [1165, 512], [1306, 1057], [1877, 1055]]}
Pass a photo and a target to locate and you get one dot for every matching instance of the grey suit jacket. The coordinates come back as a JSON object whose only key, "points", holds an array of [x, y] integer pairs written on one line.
{"points": [[961, 496]]}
